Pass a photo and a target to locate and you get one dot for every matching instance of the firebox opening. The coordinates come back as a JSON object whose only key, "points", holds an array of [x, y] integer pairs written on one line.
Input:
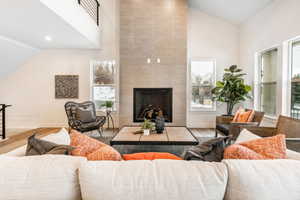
{"points": [[152, 102]]}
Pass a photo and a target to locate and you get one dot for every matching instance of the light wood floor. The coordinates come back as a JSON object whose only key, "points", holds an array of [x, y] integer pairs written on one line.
{"points": [[19, 139]]}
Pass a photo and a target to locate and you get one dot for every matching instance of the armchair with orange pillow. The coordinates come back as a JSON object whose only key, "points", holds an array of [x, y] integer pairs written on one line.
{"points": [[232, 125]]}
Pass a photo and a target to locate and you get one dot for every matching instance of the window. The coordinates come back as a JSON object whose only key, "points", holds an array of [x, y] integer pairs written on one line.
{"points": [[103, 83], [295, 80], [268, 82], [202, 81]]}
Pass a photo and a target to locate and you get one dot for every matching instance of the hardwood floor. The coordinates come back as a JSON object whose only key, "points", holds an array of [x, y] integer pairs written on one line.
{"points": [[20, 139]]}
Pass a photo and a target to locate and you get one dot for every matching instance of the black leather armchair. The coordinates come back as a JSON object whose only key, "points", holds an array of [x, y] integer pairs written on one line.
{"points": [[82, 117]]}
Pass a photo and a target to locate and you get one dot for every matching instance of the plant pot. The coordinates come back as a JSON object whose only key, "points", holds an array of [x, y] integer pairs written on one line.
{"points": [[146, 132]]}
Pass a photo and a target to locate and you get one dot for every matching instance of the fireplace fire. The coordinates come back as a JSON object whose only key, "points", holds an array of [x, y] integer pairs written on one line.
{"points": [[152, 102]]}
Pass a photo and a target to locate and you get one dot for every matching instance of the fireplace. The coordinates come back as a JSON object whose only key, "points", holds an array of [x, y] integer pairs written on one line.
{"points": [[152, 102]]}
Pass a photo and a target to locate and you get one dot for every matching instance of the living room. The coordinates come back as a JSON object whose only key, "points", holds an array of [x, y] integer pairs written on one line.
{"points": [[201, 87]]}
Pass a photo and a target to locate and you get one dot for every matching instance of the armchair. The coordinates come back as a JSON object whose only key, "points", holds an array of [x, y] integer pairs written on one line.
{"points": [[225, 126], [285, 125], [82, 117]]}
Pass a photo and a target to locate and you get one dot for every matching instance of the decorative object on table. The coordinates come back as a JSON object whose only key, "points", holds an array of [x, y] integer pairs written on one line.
{"points": [[66, 86], [147, 127], [160, 124], [211, 151], [232, 89], [82, 117], [108, 105]]}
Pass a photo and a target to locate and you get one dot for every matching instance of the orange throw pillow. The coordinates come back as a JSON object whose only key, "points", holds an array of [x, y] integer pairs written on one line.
{"points": [[264, 148], [150, 156], [244, 116], [237, 114], [92, 149], [251, 117]]}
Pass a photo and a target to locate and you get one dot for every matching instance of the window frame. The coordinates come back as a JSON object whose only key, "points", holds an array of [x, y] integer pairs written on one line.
{"points": [[197, 59], [258, 80], [288, 92], [93, 85]]}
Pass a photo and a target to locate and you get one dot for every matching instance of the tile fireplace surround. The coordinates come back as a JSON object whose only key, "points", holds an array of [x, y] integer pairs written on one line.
{"points": [[160, 33]]}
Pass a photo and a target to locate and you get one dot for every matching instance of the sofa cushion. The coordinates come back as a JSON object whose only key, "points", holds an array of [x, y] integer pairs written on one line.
{"points": [[153, 180], [62, 137], [150, 156], [224, 128], [246, 135], [91, 148], [263, 179], [45, 177]]}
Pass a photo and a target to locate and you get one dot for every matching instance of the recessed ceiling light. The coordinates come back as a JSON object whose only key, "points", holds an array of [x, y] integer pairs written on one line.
{"points": [[48, 38]]}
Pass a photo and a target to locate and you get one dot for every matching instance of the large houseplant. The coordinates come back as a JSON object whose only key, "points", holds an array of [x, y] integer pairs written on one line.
{"points": [[232, 89]]}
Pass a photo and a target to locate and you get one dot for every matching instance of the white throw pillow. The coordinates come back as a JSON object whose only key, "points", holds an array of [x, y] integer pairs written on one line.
{"points": [[263, 180], [48, 177], [153, 180], [61, 137], [246, 135]]}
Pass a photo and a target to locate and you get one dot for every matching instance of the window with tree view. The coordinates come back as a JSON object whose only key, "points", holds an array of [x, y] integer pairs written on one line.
{"points": [[202, 79], [295, 85], [103, 83], [269, 62]]}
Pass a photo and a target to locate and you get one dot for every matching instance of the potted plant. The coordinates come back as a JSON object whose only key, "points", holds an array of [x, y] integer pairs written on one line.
{"points": [[147, 126], [108, 105], [232, 89]]}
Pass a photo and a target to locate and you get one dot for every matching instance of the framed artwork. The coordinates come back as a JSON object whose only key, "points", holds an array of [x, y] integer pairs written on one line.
{"points": [[66, 86], [103, 73]]}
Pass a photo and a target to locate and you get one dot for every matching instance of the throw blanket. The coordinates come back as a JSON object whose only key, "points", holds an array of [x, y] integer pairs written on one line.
{"points": [[211, 150]]}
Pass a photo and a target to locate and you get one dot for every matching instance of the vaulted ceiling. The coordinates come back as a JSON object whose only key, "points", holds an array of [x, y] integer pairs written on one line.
{"points": [[236, 11]]}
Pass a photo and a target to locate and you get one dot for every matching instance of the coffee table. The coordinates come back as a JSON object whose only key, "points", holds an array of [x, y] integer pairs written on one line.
{"points": [[171, 136]]}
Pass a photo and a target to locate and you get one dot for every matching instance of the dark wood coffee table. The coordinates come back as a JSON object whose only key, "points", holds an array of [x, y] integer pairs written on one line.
{"points": [[171, 136]]}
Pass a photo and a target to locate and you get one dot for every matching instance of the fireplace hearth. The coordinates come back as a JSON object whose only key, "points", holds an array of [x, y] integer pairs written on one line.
{"points": [[152, 102]]}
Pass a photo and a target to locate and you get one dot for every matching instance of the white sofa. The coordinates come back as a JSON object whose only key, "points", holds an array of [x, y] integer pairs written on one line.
{"points": [[53, 177]]}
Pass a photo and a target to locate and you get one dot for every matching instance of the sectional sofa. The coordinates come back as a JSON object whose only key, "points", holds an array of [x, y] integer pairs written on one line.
{"points": [[53, 177]]}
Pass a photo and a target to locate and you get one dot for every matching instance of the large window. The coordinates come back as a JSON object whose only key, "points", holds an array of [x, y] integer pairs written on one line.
{"points": [[268, 82], [295, 80], [103, 83], [202, 81]]}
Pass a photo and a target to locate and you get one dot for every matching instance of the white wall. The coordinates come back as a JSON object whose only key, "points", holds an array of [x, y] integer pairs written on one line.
{"points": [[31, 88], [211, 37], [77, 17], [269, 28], [13, 54]]}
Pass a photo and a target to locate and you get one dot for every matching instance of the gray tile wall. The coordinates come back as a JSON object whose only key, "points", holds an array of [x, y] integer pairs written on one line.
{"points": [[153, 29]]}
